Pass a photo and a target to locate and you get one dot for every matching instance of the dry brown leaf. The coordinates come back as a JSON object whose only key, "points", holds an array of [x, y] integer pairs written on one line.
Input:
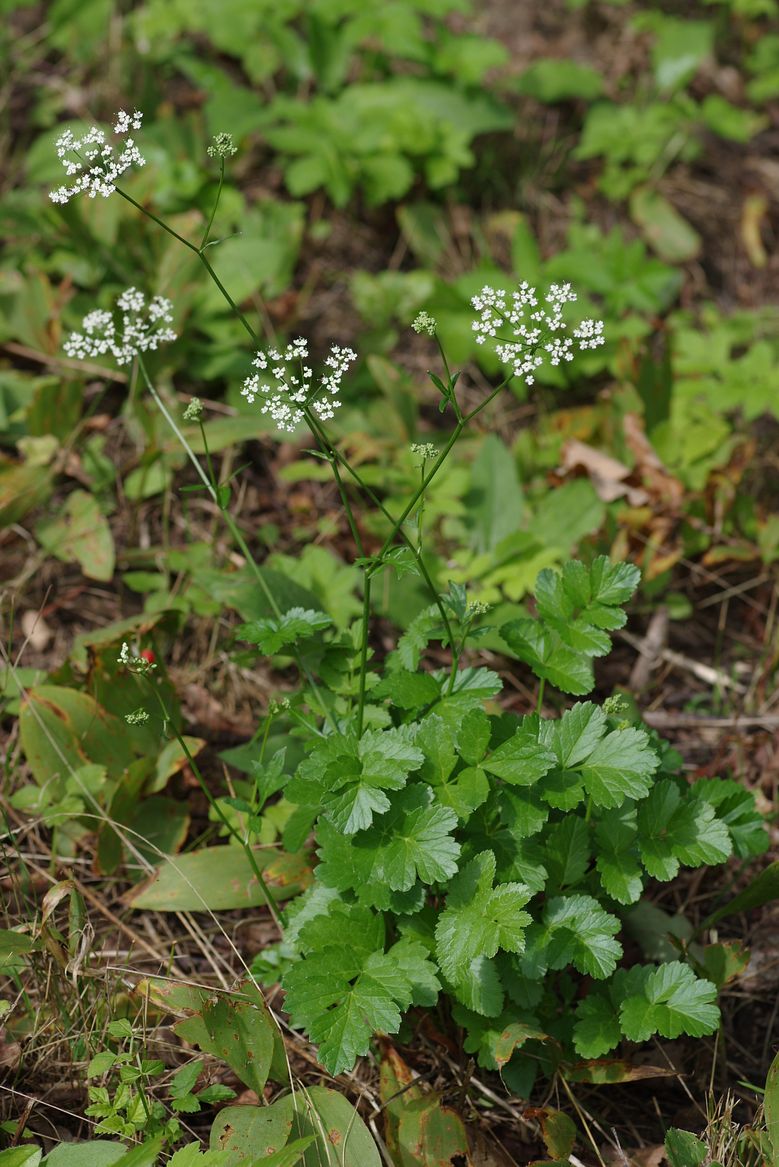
{"points": [[660, 483], [608, 476]]}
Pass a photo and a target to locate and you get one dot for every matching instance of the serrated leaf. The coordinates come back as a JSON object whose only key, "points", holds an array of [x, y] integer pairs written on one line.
{"points": [[735, 807], [672, 831], [347, 778], [275, 633], [581, 604], [473, 736], [684, 1149], [597, 1030], [413, 840], [567, 852], [579, 932], [408, 690], [521, 760], [549, 658], [479, 918], [341, 1002], [621, 766], [672, 1001], [617, 862]]}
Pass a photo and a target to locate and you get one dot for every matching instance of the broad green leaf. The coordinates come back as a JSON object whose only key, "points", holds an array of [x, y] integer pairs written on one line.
{"points": [[621, 766], [521, 760], [473, 736], [346, 779], [273, 634], [597, 1030], [735, 807], [617, 857], [63, 729], [219, 879], [408, 690], [578, 931], [672, 1001], [549, 658], [495, 501], [672, 831], [244, 1035], [553, 79], [31, 1157], [684, 1149], [479, 918], [251, 1129], [567, 852], [667, 232], [413, 840], [341, 1001]]}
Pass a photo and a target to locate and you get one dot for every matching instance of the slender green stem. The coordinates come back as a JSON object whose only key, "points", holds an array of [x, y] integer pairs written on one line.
{"points": [[232, 527], [366, 616], [237, 311], [540, 701], [160, 222], [209, 463], [199, 253], [207, 232], [336, 458]]}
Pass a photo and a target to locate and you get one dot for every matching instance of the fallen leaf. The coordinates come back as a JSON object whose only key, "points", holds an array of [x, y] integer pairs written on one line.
{"points": [[607, 475]]}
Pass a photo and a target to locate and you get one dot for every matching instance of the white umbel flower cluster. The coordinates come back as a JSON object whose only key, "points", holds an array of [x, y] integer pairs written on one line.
{"points": [[93, 163], [285, 383], [139, 329], [527, 333]]}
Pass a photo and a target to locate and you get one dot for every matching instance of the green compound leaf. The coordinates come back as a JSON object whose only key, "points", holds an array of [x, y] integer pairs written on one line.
{"points": [[550, 659], [672, 831], [579, 932], [735, 807], [341, 996], [618, 863], [671, 1001], [408, 690], [479, 918], [610, 767], [581, 603], [273, 634], [597, 1027], [577, 609], [346, 779], [522, 759], [621, 766], [412, 841]]}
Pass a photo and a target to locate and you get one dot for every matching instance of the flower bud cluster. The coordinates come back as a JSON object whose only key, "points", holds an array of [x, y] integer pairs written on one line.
{"points": [[286, 384], [527, 333], [142, 329], [94, 163]]}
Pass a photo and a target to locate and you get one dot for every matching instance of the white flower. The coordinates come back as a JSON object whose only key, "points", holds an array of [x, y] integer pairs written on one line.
{"points": [[133, 661], [138, 330], [285, 383], [93, 162], [527, 334]]}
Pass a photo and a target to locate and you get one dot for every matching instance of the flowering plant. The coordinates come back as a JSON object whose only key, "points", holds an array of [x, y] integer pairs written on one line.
{"points": [[462, 850], [93, 162]]}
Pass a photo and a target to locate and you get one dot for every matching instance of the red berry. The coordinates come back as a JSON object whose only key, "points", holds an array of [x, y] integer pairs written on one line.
{"points": [[147, 655]]}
